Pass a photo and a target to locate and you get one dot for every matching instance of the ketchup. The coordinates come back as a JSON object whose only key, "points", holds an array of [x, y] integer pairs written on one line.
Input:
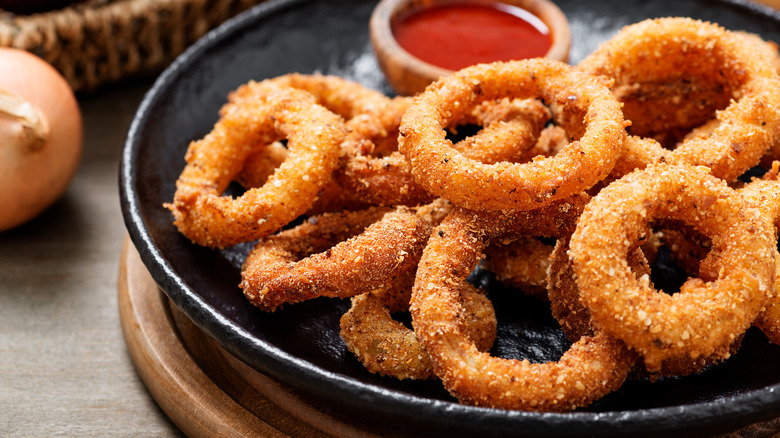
{"points": [[456, 35]]}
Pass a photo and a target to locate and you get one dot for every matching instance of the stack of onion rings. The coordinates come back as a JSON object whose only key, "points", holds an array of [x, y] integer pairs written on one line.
{"points": [[393, 202]]}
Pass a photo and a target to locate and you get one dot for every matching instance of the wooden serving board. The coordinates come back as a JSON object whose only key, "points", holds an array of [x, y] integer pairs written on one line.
{"points": [[207, 392]]}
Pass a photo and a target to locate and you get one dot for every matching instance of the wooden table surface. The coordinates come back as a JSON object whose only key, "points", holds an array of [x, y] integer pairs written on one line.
{"points": [[64, 365]]}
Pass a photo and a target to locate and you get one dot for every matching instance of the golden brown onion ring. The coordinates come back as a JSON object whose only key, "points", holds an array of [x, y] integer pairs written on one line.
{"points": [[705, 316], [576, 322], [591, 115], [334, 255], [206, 217], [372, 121]]}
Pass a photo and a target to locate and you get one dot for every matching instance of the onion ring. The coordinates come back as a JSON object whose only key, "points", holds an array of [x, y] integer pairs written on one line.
{"points": [[665, 95], [588, 106], [704, 317], [372, 125], [593, 367], [334, 255], [387, 347], [314, 135]]}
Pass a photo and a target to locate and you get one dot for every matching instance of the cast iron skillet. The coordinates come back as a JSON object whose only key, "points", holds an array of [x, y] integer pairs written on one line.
{"points": [[300, 345]]}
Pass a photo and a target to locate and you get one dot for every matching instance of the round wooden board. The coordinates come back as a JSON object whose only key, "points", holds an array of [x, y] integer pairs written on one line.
{"points": [[207, 392], [204, 390]]}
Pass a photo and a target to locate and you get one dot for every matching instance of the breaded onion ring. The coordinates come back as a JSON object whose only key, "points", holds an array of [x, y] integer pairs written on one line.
{"points": [[591, 368], [313, 134], [372, 125], [334, 255], [704, 317], [591, 114], [387, 347], [665, 94]]}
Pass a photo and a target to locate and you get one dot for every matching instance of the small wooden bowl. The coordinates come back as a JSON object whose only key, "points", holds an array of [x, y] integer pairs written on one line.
{"points": [[409, 75]]}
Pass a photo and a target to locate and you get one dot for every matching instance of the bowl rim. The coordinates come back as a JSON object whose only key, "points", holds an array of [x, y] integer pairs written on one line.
{"points": [[386, 46]]}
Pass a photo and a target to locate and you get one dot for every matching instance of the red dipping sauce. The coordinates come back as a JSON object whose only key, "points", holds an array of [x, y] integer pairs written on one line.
{"points": [[454, 36]]}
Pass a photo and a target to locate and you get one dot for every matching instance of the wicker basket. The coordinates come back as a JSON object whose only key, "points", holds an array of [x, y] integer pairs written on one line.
{"points": [[95, 42]]}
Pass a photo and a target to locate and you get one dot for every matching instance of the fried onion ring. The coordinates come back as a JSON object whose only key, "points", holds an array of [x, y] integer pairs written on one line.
{"points": [[704, 318], [209, 219], [372, 121], [592, 115], [334, 255], [591, 368], [665, 95]]}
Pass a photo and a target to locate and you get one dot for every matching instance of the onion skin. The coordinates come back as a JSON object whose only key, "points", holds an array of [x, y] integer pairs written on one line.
{"points": [[35, 173]]}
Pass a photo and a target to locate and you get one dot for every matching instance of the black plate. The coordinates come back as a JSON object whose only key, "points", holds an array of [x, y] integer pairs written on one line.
{"points": [[300, 345]]}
